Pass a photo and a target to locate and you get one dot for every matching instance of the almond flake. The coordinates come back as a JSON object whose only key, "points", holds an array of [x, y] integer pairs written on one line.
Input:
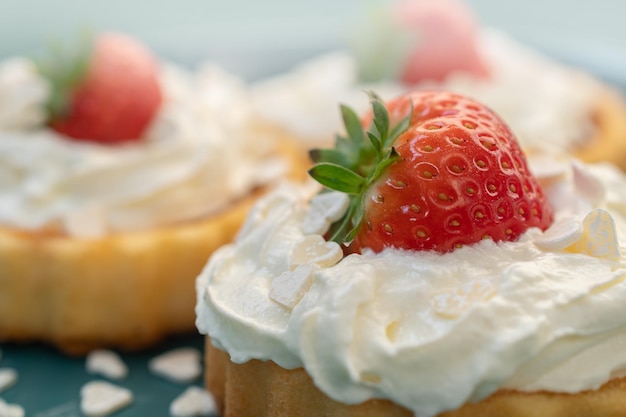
{"points": [[100, 398], [8, 377], [314, 249], [289, 288], [194, 401], [325, 209], [599, 238], [562, 234], [10, 410], [180, 365], [106, 363]]}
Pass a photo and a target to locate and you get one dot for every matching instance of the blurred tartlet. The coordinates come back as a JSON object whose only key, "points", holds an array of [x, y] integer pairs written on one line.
{"points": [[106, 221], [438, 44]]}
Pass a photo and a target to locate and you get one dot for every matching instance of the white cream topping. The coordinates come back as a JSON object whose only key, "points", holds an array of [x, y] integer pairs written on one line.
{"points": [[201, 153], [548, 105], [426, 330], [22, 94]]}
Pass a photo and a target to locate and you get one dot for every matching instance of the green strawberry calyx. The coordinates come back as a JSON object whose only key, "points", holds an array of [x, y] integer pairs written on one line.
{"points": [[356, 162], [64, 68]]}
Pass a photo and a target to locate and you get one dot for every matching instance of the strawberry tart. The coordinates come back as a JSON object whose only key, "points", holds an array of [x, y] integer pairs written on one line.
{"points": [[439, 272], [119, 175], [438, 44]]}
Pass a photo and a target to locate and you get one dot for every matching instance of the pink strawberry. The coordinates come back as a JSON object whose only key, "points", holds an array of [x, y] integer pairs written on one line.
{"points": [[108, 94], [439, 171], [447, 41]]}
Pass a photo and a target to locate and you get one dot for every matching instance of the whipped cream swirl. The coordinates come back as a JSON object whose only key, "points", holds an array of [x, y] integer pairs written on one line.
{"points": [[202, 152], [429, 331]]}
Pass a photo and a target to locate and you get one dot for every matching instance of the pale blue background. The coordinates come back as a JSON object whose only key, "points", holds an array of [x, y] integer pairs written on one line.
{"points": [[255, 38]]}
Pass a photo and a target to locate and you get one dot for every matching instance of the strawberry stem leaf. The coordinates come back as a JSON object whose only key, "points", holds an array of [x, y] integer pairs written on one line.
{"points": [[391, 157], [353, 125], [374, 137], [337, 177], [64, 68], [356, 219], [328, 155], [355, 163], [343, 226], [381, 119], [399, 128]]}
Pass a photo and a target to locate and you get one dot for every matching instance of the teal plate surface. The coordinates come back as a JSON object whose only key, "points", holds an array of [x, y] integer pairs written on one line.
{"points": [[49, 382]]}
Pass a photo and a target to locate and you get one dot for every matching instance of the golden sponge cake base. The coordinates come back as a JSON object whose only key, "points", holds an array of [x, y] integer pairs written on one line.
{"points": [[126, 290], [264, 389]]}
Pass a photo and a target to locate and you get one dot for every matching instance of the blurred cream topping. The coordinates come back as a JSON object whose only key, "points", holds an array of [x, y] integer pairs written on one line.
{"points": [[549, 106], [200, 154]]}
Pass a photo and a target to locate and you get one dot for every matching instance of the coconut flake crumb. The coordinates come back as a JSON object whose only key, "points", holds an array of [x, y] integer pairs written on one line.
{"points": [[194, 401], [8, 377], [106, 363], [313, 249], [289, 288], [179, 365], [563, 233], [10, 410], [325, 209], [101, 398]]}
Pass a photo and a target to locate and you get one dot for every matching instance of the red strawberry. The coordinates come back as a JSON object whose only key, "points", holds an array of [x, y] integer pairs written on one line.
{"points": [[439, 171], [447, 34], [419, 40], [109, 95]]}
